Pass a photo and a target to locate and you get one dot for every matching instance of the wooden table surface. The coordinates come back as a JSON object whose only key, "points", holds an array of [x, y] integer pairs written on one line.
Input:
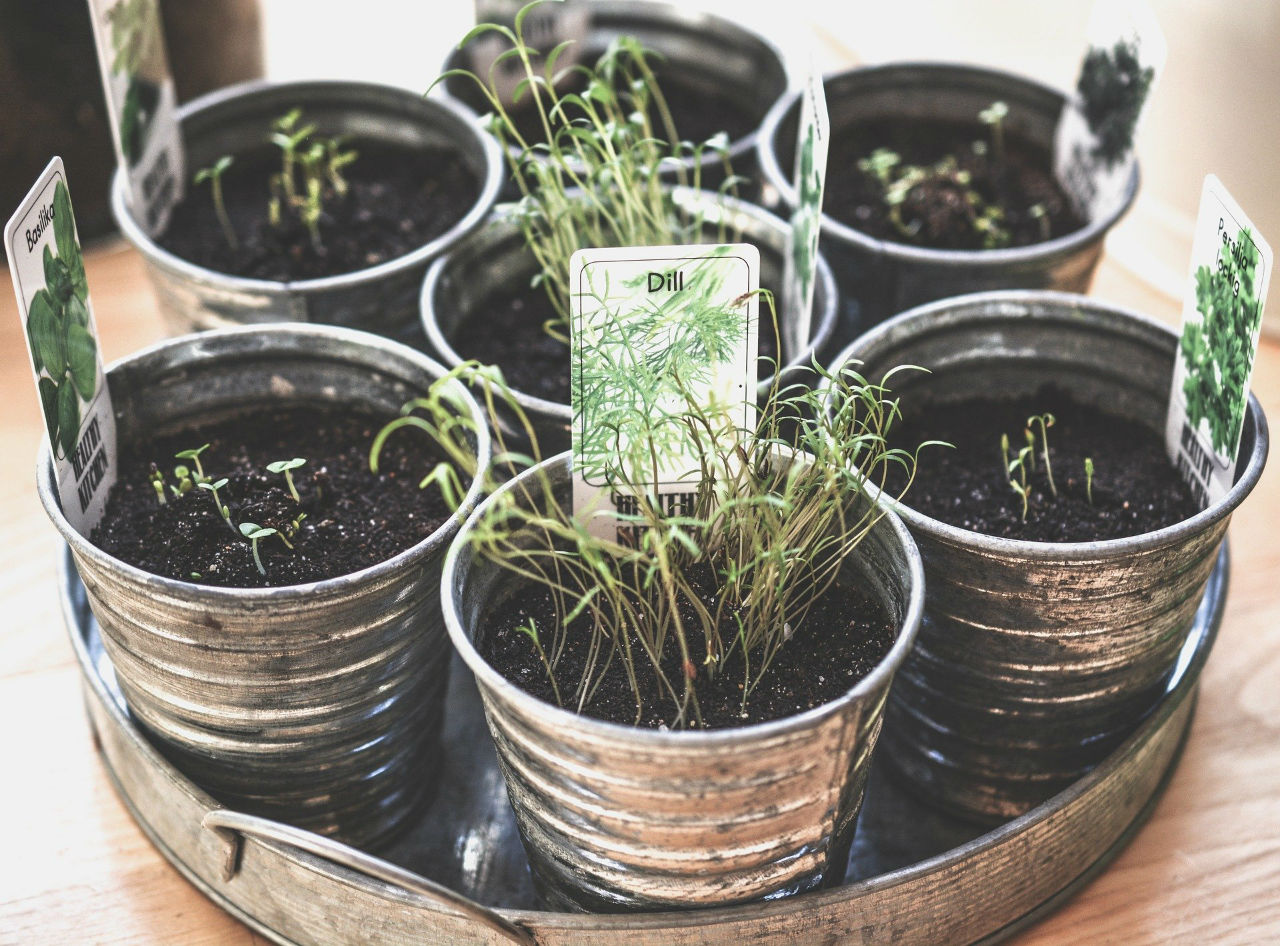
{"points": [[75, 869]]}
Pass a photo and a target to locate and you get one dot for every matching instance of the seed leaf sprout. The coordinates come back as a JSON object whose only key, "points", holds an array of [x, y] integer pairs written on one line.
{"points": [[1045, 421], [287, 467], [213, 174], [1088, 478], [253, 532], [217, 501]]}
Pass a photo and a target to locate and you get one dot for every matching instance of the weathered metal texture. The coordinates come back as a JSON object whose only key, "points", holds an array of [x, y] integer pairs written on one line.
{"points": [[1036, 659], [619, 818], [379, 298], [494, 260], [879, 278], [317, 704], [709, 53], [916, 877]]}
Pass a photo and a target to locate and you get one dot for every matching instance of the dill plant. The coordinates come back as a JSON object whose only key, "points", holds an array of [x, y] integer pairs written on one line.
{"points": [[717, 590], [593, 176]]}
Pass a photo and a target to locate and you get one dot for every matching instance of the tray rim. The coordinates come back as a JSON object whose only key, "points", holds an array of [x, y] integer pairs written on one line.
{"points": [[1203, 631]]}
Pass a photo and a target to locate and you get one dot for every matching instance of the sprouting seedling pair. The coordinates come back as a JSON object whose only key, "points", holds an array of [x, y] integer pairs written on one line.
{"points": [[1016, 469], [993, 116], [213, 174], [322, 161], [255, 533]]}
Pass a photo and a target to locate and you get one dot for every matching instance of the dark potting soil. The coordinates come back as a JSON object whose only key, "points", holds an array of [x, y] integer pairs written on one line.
{"points": [[354, 518], [841, 640], [696, 113], [507, 332], [1135, 487], [398, 199], [1023, 179]]}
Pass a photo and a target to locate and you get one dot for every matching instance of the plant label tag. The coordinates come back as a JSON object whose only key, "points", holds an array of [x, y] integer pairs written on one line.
{"points": [[62, 338], [544, 28], [1093, 144], [142, 106], [801, 264], [1221, 323], [660, 336]]}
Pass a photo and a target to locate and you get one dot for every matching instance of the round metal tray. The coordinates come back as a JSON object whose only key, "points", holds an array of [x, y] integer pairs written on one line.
{"points": [[460, 876]]}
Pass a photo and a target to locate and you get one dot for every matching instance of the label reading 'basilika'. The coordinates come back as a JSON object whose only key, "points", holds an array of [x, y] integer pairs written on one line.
{"points": [[142, 106], [801, 266], [1093, 145], [1221, 323], [656, 331], [62, 338]]}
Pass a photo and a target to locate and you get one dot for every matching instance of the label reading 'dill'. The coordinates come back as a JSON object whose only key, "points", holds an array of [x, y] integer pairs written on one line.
{"points": [[142, 105], [655, 330], [1093, 144], [53, 302], [1221, 322]]}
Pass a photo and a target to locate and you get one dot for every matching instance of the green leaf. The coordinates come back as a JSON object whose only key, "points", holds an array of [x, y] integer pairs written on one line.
{"points": [[68, 417], [57, 278], [82, 359], [49, 401], [77, 313], [44, 331], [64, 225], [79, 284]]}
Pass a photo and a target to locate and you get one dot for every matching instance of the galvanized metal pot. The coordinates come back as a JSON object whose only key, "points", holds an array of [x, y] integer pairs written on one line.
{"points": [[378, 298], [618, 818], [495, 260], [708, 52], [315, 704], [1036, 659], [880, 278]]}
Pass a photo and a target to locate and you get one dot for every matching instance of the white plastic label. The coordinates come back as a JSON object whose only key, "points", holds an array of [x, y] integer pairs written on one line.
{"points": [[655, 331], [62, 339], [800, 268], [1093, 144], [1221, 322], [142, 106]]}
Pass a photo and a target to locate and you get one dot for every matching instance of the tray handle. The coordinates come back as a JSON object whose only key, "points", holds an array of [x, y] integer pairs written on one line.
{"points": [[234, 826]]}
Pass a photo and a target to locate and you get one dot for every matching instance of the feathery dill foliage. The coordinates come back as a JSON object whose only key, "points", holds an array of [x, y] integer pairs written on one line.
{"points": [[780, 508], [592, 177]]}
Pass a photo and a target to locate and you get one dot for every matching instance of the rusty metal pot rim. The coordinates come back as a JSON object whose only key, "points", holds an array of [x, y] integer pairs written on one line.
{"points": [[929, 314], [558, 717], [821, 327], [47, 490], [490, 184], [833, 228]]}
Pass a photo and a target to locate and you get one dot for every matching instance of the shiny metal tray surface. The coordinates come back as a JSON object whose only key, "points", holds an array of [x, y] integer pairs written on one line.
{"points": [[915, 876]]}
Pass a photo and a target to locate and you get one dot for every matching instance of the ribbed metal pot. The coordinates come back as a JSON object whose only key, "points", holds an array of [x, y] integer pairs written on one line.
{"points": [[880, 278], [708, 52], [315, 704], [494, 261], [1036, 659], [618, 818], [378, 298]]}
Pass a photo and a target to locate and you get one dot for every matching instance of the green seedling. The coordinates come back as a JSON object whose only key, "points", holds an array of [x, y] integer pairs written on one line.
{"points": [[1019, 466], [254, 532], [1045, 421], [1038, 213], [530, 630], [223, 511], [185, 483], [287, 467], [880, 165], [213, 174], [157, 483], [993, 116], [321, 160], [194, 456], [1088, 478]]}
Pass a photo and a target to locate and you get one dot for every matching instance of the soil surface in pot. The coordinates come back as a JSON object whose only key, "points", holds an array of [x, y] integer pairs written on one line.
{"points": [[696, 112], [1136, 489], [937, 210], [840, 641], [354, 518], [507, 331], [398, 200]]}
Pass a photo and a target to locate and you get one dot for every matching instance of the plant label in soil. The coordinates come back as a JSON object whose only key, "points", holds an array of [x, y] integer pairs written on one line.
{"points": [[1221, 322], [801, 264], [1093, 144], [660, 335], [62, 338], [142, 104], [544, 27]]}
